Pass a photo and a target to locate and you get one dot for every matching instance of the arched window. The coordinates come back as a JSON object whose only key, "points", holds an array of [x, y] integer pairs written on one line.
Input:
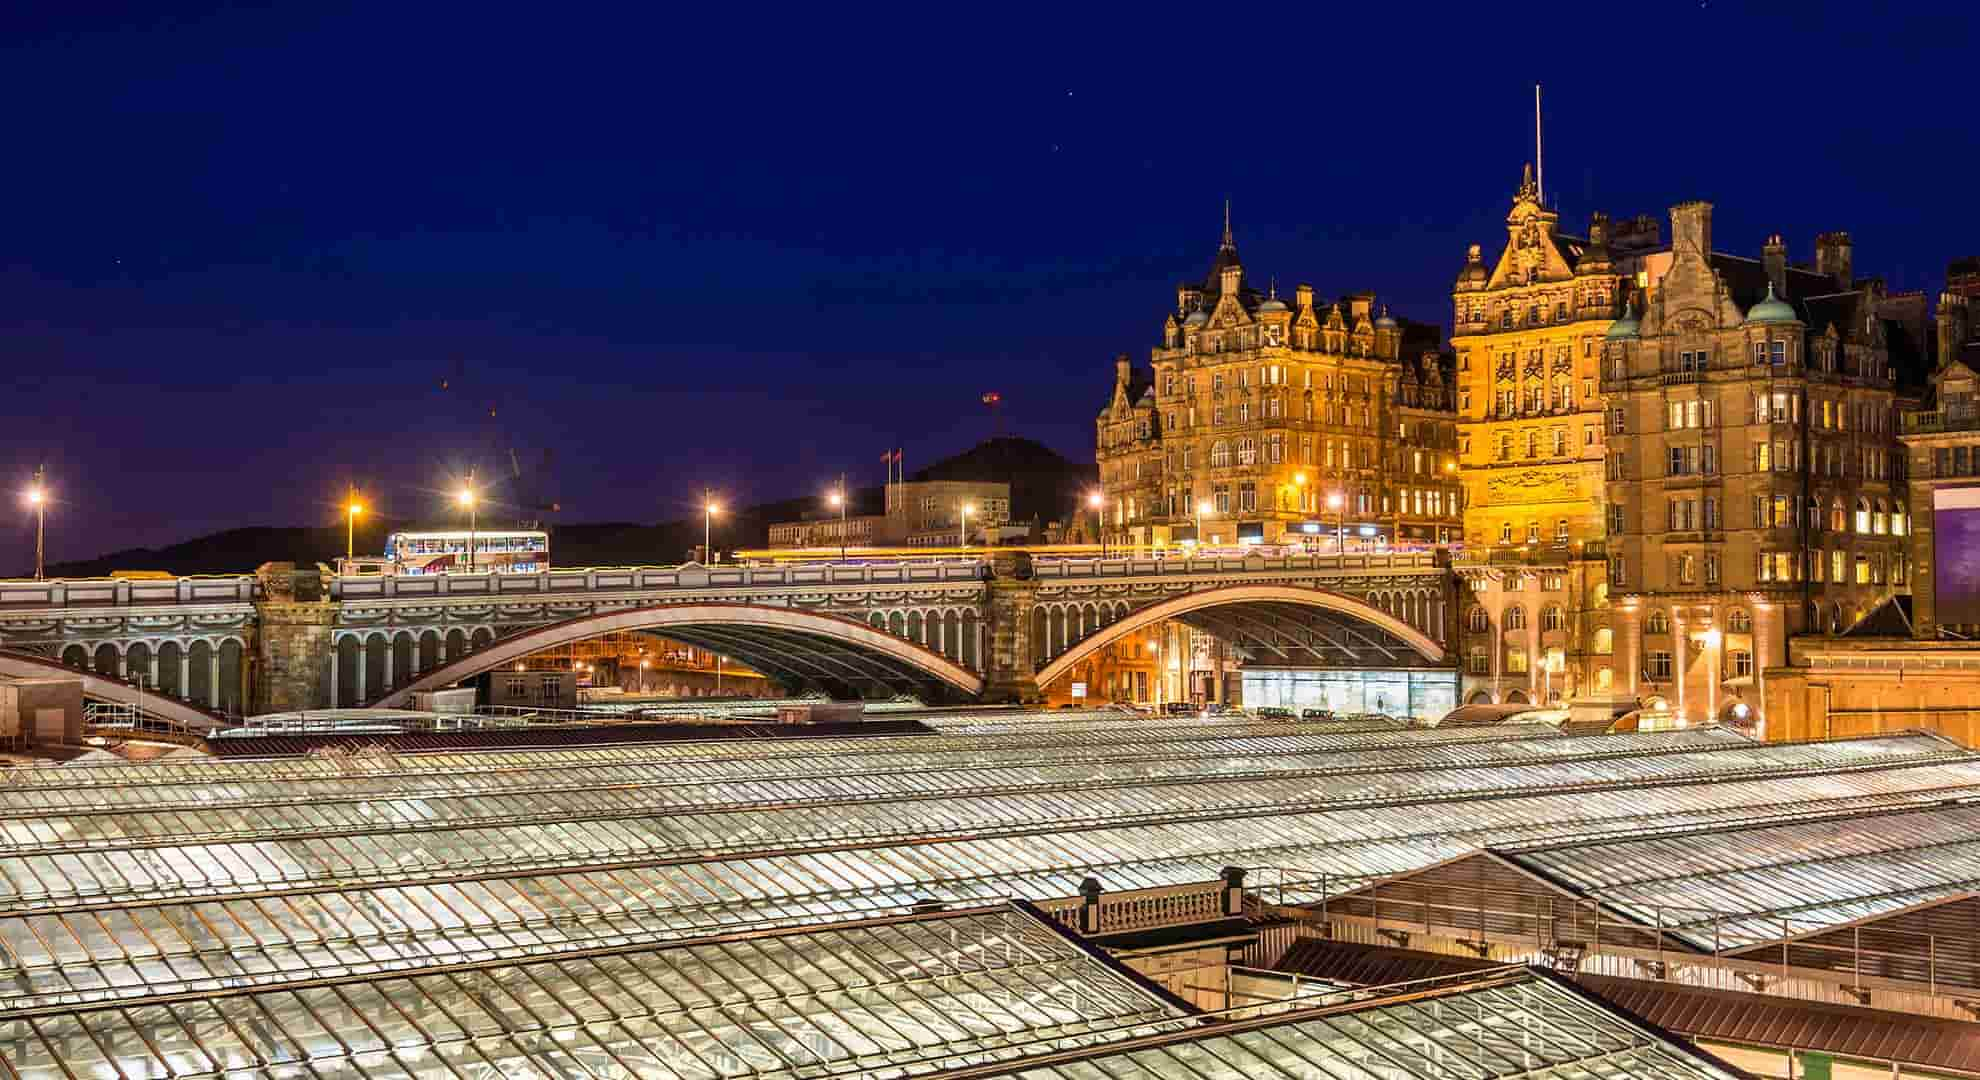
{"points": [[1247, 451], [1659, 623], [1505, 532], [1515, 618], [1561, 531], [1862, 514], [1476, 620], [1605, 640], [1220, 454], [1553, 618], [1739, 622], [1838, 518], [1877, 521]]}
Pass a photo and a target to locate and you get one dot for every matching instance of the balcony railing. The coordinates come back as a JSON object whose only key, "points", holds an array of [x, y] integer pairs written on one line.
{"points": [[1927, 423]]}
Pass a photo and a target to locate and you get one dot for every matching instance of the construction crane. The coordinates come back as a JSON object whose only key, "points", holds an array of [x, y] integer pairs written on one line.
{"points": [[526, 493]]}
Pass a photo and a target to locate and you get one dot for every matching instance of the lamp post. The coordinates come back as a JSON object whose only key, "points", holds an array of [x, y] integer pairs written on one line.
{"points": [[838, 499], [965, 524], [38, 498], [1099, 504], [1299, 493], [1339, 506], [352, 508], [643, 665], [709, 509], [1202, 508], [466, 498], [1713, 638]]}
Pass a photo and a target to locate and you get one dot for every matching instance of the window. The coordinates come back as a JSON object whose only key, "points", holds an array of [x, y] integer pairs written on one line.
{"points": [[1220, 454], [1862, 569], [1533, 532], [1658, 665], [1616, 575], [1553, 618], [1616, 422], [1739, 622], [1687, 569], [1838, 566], [1515, 618], [1862, 515], [1516, 661], [1247, 496], [1247, 451], [1477, 662], [1477, 621], [1658, 623], [1505, 532], [1561, 531], [1711, 568], [1741, 662], [1616, 518], [1605, 640]]}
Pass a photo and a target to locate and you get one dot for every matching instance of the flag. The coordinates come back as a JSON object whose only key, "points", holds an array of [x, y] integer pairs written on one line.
{"points": [[887, 457]]}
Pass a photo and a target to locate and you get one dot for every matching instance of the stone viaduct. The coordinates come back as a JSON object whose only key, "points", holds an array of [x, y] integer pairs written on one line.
{"points": [[995, 628]]}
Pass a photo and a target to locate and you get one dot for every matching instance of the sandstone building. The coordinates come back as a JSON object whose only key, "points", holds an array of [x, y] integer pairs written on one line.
{"points": [[1268, 421]]}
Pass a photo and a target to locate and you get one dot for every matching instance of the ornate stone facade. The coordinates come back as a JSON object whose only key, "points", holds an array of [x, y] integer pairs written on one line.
{"points": [[1755, 483], [1267, 421], [1528, 331]]}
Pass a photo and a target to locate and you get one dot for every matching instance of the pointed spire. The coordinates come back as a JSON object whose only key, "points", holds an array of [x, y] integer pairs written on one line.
{"points": [[1229, 244]]}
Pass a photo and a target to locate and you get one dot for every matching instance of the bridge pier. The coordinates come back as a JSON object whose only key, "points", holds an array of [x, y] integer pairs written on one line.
{"points": [[293, 645], [1008, 675]]}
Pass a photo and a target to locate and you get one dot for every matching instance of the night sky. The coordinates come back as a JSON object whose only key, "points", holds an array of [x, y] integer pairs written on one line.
{"points": [[748, 247]]}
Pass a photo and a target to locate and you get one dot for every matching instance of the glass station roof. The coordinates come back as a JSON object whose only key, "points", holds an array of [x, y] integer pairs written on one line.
{"points": [[299, 900], [1733, 888], [1514, 1024], [885, 998]]}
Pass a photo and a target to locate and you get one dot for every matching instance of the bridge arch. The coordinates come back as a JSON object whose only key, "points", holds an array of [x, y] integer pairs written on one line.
{"points": [[843, 655], [162, 706], [1260, 609]]}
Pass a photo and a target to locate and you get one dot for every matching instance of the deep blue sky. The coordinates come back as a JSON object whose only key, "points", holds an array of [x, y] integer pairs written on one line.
{"points": [[749, 246]]}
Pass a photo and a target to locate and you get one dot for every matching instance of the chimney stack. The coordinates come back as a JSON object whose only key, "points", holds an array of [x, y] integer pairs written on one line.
{"points": [[1302, 297], [1773, 254], [1691, 227], [1833, 255], [1360, 308], [1955, 326]]}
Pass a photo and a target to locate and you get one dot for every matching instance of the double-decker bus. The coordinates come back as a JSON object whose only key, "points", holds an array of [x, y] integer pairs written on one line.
{"points": [[495, 551]]}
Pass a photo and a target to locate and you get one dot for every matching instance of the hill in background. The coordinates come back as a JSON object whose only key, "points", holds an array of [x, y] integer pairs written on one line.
{"points": [[1045, 487]]}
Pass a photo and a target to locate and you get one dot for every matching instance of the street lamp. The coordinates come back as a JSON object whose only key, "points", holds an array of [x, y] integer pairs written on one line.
{"points": [[1339, 505], [1713, 638], [838, 499], [37, 497], [1099, 504], [1202, 508], [466, 498], [966, 508], [709, 508], [352, 508]]}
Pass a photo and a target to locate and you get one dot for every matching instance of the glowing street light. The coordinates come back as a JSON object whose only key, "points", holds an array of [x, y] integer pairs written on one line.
{"points": [[1338, 505], [1712, 638], [466, 498], [838, 499], [1098, 502], [709, 508], [1202, 509], [37, 497], [966, 508], [352, 508]]}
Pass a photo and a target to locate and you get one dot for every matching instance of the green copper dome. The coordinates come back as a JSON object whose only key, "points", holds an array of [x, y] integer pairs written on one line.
{"points": [[1625, 327], [1771, 310]]}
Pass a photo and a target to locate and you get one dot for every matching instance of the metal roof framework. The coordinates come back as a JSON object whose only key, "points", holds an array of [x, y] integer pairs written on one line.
{"points": [[878, 998], [85, 857], [1510, 1022], [184, 919]]}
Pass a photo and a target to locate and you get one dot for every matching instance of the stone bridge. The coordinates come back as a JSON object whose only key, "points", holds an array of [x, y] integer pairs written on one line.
{"points": [[992, 628]]}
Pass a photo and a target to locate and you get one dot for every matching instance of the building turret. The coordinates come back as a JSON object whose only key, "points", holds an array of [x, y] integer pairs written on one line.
{"points": [[1954, 326]]}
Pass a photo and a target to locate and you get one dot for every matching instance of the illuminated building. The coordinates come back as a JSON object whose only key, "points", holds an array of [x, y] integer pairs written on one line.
{"points": [[1269, 422], [1528, 329], [1755, 481]]}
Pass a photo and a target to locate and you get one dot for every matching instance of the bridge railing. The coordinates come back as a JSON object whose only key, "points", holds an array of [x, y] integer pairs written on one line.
{"points": [[1142, 565], [643, 578], [127, 592]]}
